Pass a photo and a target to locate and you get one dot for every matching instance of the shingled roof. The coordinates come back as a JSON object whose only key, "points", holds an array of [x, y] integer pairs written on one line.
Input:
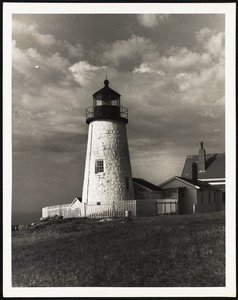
{"points": [[148, 185], [215, 166]]}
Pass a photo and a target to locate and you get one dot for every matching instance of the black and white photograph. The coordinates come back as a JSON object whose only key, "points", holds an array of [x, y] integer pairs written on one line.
{"points": [[121, 149]]}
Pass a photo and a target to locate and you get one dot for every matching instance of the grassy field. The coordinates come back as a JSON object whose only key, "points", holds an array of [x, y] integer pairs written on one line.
{"points": [[163, 251]]}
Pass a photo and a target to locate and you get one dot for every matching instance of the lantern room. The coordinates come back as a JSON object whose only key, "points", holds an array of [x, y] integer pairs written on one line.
{"points": [[106, 96], [106, 105]]}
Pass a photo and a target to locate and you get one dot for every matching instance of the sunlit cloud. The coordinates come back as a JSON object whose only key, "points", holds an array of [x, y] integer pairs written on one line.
{"points": [[84, 72], [152, 20]]}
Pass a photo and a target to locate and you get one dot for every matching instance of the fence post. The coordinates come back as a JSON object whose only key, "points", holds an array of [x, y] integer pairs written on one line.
{"points": [[84, 209]]}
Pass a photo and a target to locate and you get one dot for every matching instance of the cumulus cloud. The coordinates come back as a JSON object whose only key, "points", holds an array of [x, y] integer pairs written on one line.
{"points": [[125, 54], [29, 36], [182, 59], [145, 68], [212, 42], [152, 20], [186, 72], [30, 32], [72, 51], [50, 68], [176, 60], [84, 72]]}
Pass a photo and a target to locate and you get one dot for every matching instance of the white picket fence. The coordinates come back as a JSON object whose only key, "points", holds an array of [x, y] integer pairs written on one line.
{"points": [[59, 210], [149, 207], [116, 209], [167, 206]]}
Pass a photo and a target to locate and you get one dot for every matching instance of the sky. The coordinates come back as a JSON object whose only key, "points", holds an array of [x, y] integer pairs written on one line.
{"points": [[168, 68]]}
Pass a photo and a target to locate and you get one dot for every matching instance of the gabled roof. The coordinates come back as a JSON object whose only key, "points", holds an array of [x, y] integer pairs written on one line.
{"points": [[197, 185], [76, 199], [215, 166], [147, 185]]}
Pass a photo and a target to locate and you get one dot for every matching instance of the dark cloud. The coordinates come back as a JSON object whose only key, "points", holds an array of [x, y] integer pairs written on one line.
{"points": [[57, 143]]}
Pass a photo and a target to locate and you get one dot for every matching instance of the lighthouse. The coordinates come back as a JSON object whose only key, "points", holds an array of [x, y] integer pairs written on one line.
{"points": [[107, 174]]}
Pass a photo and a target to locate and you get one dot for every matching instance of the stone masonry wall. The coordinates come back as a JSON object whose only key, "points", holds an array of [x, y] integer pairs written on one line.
{"points": [[107, 140]]}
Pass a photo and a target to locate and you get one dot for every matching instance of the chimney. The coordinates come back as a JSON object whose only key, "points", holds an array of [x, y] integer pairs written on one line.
{"points": [[194, 173], [202, 159]]}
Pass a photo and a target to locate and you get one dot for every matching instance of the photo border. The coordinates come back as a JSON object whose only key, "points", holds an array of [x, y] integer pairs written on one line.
{"points": [[230, 108]]}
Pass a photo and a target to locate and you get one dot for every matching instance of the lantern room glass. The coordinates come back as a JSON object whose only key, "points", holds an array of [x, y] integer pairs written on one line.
{"points": [[106, 100]]}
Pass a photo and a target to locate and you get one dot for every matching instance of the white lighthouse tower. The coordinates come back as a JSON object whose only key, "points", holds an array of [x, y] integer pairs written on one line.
{"points": [[107, 175]]}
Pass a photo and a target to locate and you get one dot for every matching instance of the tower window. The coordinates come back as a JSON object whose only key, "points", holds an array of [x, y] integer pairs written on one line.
{"points": [[99, 167], [127, 183]]}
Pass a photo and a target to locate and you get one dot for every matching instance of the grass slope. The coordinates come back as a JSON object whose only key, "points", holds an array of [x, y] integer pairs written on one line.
{"points": [[163, 251]]}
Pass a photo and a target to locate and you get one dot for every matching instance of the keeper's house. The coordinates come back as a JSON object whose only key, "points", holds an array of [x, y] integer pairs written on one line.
{"points": [[211, 169], [192, 196]]}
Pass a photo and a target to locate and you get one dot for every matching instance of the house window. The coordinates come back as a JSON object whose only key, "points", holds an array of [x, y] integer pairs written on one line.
{"points": [[98, 203], [99, 167], [127, 183]]}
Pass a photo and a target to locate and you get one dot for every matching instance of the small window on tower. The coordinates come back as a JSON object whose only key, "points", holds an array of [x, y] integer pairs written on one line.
{"points": [[99, 167]]}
